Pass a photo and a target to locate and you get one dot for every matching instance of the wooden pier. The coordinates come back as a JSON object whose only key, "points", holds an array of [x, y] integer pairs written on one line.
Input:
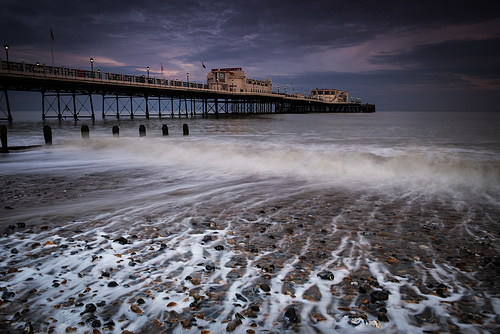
{"points": [[68, 93]]}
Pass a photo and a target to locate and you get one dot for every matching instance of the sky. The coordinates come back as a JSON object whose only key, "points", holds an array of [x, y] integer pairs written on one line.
{"points": [[399, 55]]}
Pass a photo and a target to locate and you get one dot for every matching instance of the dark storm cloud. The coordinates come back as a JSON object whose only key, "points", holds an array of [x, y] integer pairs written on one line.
{"points": [[355, 45]]}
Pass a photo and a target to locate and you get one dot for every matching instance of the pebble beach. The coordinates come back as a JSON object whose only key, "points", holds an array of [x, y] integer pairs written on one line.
{"points": [[261, 236]]}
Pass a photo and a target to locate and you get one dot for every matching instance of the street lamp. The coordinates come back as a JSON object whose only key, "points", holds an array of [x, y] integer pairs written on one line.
{"points": [[187, 77], [6, 46], [278, 89], [147, 68], [92, 67]]}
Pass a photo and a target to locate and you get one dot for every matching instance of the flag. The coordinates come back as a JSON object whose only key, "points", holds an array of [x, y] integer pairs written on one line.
{"points": [[203, 64], [51, 34]]}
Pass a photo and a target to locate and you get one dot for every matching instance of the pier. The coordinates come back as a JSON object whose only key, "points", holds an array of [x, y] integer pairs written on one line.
{"points": [[68, 93]]}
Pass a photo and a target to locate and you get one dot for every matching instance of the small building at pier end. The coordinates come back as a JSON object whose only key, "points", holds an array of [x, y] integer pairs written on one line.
{"points": [[330, 95], [235, 80]]}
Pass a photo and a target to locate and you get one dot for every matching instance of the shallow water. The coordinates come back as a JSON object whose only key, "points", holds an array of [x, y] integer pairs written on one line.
{"points": [[405, 203]]}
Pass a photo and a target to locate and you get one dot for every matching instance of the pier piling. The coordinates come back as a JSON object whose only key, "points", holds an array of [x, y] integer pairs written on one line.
{"points": [[185, 129], [164, 129], [116, 131], [47, 134]]}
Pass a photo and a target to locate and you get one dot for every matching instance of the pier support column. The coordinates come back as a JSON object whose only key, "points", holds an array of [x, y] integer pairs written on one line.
{"points": [[5, 99]]}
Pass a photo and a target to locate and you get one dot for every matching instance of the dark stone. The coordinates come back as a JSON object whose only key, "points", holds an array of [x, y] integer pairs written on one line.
{"points": [[326, 275], [240, 297], [207, 238], [112, 284], [96, 323], [255, 308], [239, 315], [21, 225], [8, 294], [219, 247], [28, 329], [291, 315], [379, 295], [441, 292], [362, 289], [321, 254], [209, 268], [265, 287], [140, 301], [89, 308], [121, 241], [110, 323], [382, 316], [233, 324], [101, 303], [14, 251]]}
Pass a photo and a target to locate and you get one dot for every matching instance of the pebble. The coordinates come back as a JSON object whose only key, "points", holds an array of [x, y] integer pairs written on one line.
{"points": [[326, 275], [291, 315], [379, 295], [233, 324], [121, 241]]}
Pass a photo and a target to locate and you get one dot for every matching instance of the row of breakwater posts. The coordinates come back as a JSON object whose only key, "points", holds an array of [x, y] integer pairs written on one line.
{"points": [[69, 93], [85, 130]]}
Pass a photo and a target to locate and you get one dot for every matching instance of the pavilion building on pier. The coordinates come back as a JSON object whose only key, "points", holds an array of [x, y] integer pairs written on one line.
{"points": [[330, 95], [235, 80]]}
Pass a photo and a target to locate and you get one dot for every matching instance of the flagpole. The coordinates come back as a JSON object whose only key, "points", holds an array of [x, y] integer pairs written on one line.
{"points": [[52, 48]]}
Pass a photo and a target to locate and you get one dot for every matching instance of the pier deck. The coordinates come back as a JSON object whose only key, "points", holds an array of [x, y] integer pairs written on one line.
{"points": [[69, 93]]}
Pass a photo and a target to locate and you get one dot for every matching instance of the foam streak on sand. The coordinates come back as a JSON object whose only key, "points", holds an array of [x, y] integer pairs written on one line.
{"points": [[193, 274]]}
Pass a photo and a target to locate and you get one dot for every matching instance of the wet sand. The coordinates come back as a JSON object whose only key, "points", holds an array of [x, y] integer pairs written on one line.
{"points": [[327, 262]]}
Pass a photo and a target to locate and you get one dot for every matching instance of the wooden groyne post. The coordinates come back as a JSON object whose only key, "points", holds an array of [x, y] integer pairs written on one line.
{"points": [[142, 130], [185, 129], [85, 131], [47, 134], [164, 129], [3, 136], [116, 131]]}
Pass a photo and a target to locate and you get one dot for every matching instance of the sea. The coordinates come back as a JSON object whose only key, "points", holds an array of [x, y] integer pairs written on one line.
{"points": [[385, 222]]}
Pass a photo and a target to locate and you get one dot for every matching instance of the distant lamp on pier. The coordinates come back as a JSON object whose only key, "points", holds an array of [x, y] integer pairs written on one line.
{"points": [[6, 46], [187, 78], [147, 68], [278, 89], [92, 67]]}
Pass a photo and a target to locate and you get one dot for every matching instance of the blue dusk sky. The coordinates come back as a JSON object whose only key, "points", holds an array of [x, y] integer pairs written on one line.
{"points": [[400, 55]]}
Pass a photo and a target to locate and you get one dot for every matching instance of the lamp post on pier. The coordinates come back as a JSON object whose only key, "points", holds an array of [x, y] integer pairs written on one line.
{"points": [[92, 67], [6, 46], [147, 68], [187, 78], [278, 89]]}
